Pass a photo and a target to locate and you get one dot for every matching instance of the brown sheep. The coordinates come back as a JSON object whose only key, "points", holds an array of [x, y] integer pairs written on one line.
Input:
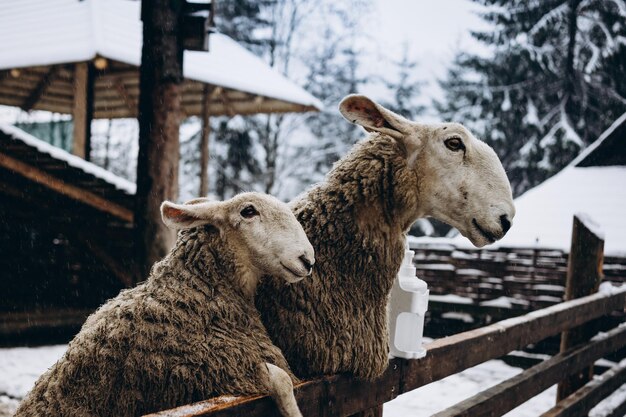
{"points": [[357, 219], [190, 331]]}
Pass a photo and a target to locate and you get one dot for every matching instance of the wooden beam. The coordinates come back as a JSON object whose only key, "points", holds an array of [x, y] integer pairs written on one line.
{"points": [[18, 322], [583, 400], [123, 92], [584, 273], [217, 91], [68, 190], [226, 102], [119, 109], [121, 273], [204, 143], [82, 111], [504, 397], [4, 75], [79, 110], [344, 396], [40, 88]]}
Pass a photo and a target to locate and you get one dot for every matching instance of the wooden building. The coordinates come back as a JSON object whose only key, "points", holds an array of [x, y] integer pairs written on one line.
{"points": [[66, 225]]}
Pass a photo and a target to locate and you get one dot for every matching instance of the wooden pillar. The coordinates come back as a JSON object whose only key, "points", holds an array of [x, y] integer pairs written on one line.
{"points": [[161, 77], [204, 144], [82, 112], [584, 273]]}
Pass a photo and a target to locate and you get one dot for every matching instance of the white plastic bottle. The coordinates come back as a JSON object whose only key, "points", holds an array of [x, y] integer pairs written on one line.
{"points": [[408, 303]]}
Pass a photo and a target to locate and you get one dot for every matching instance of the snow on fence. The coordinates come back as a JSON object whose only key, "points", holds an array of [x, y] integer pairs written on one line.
{"points": [[342, 395]]}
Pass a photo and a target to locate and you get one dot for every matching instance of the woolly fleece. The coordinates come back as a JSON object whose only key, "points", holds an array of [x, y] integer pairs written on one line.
{"points": [[337, 320], [186, 334]]}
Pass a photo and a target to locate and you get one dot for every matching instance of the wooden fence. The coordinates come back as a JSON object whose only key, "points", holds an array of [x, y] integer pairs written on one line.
{"points": [[530, 278], [342, 395]]}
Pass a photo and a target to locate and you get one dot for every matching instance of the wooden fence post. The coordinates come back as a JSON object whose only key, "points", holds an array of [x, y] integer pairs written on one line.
{"points": [[584, 273]]}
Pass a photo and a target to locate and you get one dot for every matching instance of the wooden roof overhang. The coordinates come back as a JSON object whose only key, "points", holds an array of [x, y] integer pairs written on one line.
{"points": [[116, 93]]}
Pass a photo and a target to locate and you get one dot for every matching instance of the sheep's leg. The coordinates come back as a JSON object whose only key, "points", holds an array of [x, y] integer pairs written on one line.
{"points": [[281, 390]]}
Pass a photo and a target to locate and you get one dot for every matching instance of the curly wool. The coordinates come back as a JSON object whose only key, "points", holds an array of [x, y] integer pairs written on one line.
{"points": [[186, 334], [355, 219]]}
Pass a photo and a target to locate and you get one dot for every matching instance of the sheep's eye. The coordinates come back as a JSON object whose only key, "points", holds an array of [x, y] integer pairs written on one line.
{"points": [[454, 144], [249, 212]]}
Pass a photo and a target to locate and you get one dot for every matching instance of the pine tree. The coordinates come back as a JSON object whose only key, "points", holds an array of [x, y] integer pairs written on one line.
{"points": [[404, 88], [243, 21], [551, 86], [237, 166]]}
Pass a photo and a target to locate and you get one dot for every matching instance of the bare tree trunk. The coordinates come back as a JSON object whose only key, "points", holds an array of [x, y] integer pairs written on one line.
{"points": [[570, 70], [572, 88], [161, 76]]}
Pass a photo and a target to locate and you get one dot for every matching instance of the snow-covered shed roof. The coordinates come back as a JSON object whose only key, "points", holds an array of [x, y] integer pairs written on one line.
{"points": [[592, 184], [22, 139], [42, 36], [32, 168]]}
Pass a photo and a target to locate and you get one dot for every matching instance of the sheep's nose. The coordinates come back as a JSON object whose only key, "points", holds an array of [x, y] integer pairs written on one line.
{"points": [[308, 264], [506, 224]]}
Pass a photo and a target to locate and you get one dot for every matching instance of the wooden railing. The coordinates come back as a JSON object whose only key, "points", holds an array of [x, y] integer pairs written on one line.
{"points": [[342, 395]]}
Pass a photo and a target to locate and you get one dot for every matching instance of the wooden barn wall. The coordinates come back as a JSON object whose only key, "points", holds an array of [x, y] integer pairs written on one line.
{"points": [[42, 268]]}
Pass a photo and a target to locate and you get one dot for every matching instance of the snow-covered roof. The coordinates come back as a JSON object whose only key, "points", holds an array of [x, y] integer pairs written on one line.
{"points": [[72, 160], [610, 133], [48, 32], [544, 213]]}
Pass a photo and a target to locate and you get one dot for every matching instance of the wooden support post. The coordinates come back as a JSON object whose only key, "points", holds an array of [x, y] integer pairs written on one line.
{"points": [[204, 143], [82, 112], [40, 89], [584, 273], [160, 83]]}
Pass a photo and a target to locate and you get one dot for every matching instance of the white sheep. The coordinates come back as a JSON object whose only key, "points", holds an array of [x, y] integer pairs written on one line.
{"points": [[357, 219], [191, 331]]}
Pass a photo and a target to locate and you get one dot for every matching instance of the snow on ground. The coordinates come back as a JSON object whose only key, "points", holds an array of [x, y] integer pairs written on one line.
{"points": [[609, 403], [20, 368], [442, 394]]}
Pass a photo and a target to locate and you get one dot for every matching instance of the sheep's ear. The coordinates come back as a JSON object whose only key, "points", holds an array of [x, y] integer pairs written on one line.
{"points": [[362, 111], [186, 216]]}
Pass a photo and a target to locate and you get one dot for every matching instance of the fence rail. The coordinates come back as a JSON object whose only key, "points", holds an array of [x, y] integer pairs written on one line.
{"points": [[341, 395]]}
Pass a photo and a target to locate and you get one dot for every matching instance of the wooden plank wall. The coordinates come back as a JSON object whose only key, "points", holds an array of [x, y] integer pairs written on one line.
{"points": [[531, 278]]}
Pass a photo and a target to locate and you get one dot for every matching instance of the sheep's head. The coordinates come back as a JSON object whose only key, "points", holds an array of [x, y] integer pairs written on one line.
{"points": [[460, 178], [261, 229]]}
